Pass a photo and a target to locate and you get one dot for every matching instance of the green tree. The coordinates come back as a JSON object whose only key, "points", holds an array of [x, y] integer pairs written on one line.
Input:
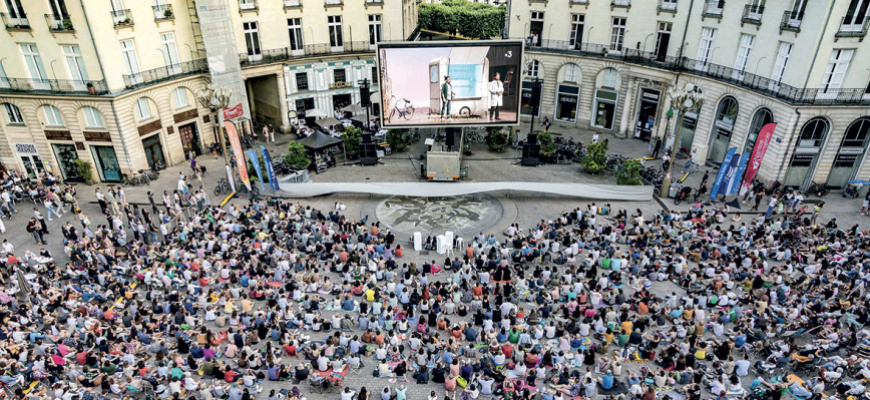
{"points": [[83, 167], [297, 156], [596, 157], [472, 20], [398, 139], [629, 173], [351, 137], [495, 138], [548, 147]]}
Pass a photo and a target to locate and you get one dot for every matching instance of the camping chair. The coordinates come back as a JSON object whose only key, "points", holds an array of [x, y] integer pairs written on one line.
{"points": [[356, 371], [323, 385]]}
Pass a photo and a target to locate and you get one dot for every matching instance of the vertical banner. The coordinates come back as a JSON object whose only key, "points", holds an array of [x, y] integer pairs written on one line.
{"points": [[255, 160], [273, 180], [239, 155], [230, 178], [734, 187], [730, 174], [757, 156], [219, 38], [722, 170]]}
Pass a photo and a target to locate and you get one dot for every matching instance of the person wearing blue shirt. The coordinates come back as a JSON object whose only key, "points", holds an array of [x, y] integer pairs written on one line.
{"points": [[606, 381]]}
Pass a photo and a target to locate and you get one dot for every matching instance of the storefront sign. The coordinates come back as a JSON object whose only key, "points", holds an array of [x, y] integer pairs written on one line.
{"points": [[149, 127], [851, 150], [206, 118], [651, 95], [97, 136], [186, 115], [26, 148], [58, 135], [806, 150], [566, 99], [728, 126], [234, 112], [340, 85], [80, 145], [605, 95]]}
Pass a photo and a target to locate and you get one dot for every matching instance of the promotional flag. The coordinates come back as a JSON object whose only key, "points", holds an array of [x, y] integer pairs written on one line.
{"points": [[721, 175], [239, 155], [252, 155], [730, 174], [738, 177], [761, 144], [273, 180]]}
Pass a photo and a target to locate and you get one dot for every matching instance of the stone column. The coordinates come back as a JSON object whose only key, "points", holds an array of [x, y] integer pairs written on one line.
{"points": [[282, 100]]}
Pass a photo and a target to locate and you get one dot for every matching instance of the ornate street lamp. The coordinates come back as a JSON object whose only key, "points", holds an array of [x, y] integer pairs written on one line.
{"points": [[216, 99], [689, 98]]}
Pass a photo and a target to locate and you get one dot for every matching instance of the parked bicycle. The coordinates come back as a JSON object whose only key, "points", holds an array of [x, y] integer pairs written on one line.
{"points": [[691, 167], [817, 189], [223, 187], [133, 180], [406, 110], [150, 174]]}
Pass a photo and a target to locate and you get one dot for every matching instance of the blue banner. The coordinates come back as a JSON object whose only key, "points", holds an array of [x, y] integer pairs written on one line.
{"points": [[273, 180], [252, 155], [730, 174], [722, 170], [741, 168]]}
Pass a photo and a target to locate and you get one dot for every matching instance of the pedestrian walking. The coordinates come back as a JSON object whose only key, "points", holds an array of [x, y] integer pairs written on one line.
{"points": [[41, 219], [35, 229]]}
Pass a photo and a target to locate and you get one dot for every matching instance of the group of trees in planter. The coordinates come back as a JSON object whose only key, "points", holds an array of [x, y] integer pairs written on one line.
{"points": [[472, 20], [596, 158], [496, 138]]}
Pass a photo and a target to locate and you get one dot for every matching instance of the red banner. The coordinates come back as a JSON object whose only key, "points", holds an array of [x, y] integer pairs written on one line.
{"points": [[757, 156], [233, 135], [234, 111]]}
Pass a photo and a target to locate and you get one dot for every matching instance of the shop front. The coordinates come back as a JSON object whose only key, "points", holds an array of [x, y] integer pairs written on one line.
{"points": [[567, 99], [806, 153], [850, 154], [153, 148], [103, 154], [604, 109], [30, 159], [189, 132], [687, 132], [527, 106], [66, 155], [723, 127], [646, 115]]}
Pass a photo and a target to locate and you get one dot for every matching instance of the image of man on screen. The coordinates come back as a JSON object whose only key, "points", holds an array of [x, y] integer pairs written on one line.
{"points": [[496, 90], [447, 96]]}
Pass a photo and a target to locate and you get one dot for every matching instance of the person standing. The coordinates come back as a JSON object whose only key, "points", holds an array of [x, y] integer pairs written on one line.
{"points": [[41, 219], [34, 229], [101, 199], [704, 178], [49, 207], [446, 97], [496, 92], [770, 205], [271, 133], [266, 133]]}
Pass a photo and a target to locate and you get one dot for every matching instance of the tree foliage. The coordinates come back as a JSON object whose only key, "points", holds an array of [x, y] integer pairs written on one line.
{"points": [[596, 157], [297, 156], [83, 167], [548, 147], [629, 173], [472, 20], [398, 139], [351, 137], [496, 139]]}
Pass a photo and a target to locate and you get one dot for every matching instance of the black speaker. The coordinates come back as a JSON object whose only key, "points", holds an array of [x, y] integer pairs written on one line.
{"points": [[450, 138], [531, 150], [368, 153], [366, 138], [533, 138]]}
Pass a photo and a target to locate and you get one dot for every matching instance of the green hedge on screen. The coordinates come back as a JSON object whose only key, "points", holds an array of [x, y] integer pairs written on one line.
{"points": [[472, 20]]}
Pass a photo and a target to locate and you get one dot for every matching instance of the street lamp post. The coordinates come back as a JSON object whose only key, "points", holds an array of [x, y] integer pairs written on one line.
{"points": [[686, 99], [216, 99]]}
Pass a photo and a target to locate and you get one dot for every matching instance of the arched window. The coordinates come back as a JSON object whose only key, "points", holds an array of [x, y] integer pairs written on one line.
{"points": [[761, 118], [13, 114], [850, 154], [806, 152], [93, 119], [180, 96], [610, 77], [143, 111], [723, 126], [52, 116], [570, 73]]}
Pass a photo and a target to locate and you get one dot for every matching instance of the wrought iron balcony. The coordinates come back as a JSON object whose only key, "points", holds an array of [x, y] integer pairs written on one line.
{"points": [[59, 23], [122, 18], [163, 12], [791, 21], [620, 4], [853, 27], [155, 75], [292, 3], [667, 6], [19, 23], [713, 9], [53, 86], [247, 5], [752, 14]]}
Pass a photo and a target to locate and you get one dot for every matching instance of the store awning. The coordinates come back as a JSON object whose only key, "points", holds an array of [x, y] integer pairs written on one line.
{"points": [[314, 113], [319, 140], [353, 108], [328, 121]]}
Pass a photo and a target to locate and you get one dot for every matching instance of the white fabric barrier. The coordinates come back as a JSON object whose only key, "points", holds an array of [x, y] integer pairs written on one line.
{"points": [[418, 241], [445, 189], [441, 244]]}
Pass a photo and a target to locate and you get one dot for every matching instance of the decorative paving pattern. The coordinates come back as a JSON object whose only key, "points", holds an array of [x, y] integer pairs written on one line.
{"points": [[461, 214]]}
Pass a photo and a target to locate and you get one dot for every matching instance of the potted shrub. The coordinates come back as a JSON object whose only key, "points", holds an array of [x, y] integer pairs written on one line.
{"points": [[127, 21], [167, 13], [548, 147], [397, 139], [67, 24], [496, 139], [297, 156], [91, 89], [604, 51], [351, 137], [83, 167], [629, 174], [596, 157]]}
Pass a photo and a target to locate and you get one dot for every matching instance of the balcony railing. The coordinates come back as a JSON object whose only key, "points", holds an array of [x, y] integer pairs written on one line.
{"points": [[292, 3], [163, 12], [714, 8], [791, 21], [59, 23], [165, 73], [756, 83], [334, 3], [52, 86], [752, 14], [853, 27], [667, 6], [620, 3], [374, 2], [247, 5], [122, 18], [286, 53], [579, 2], [19, 23]]}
